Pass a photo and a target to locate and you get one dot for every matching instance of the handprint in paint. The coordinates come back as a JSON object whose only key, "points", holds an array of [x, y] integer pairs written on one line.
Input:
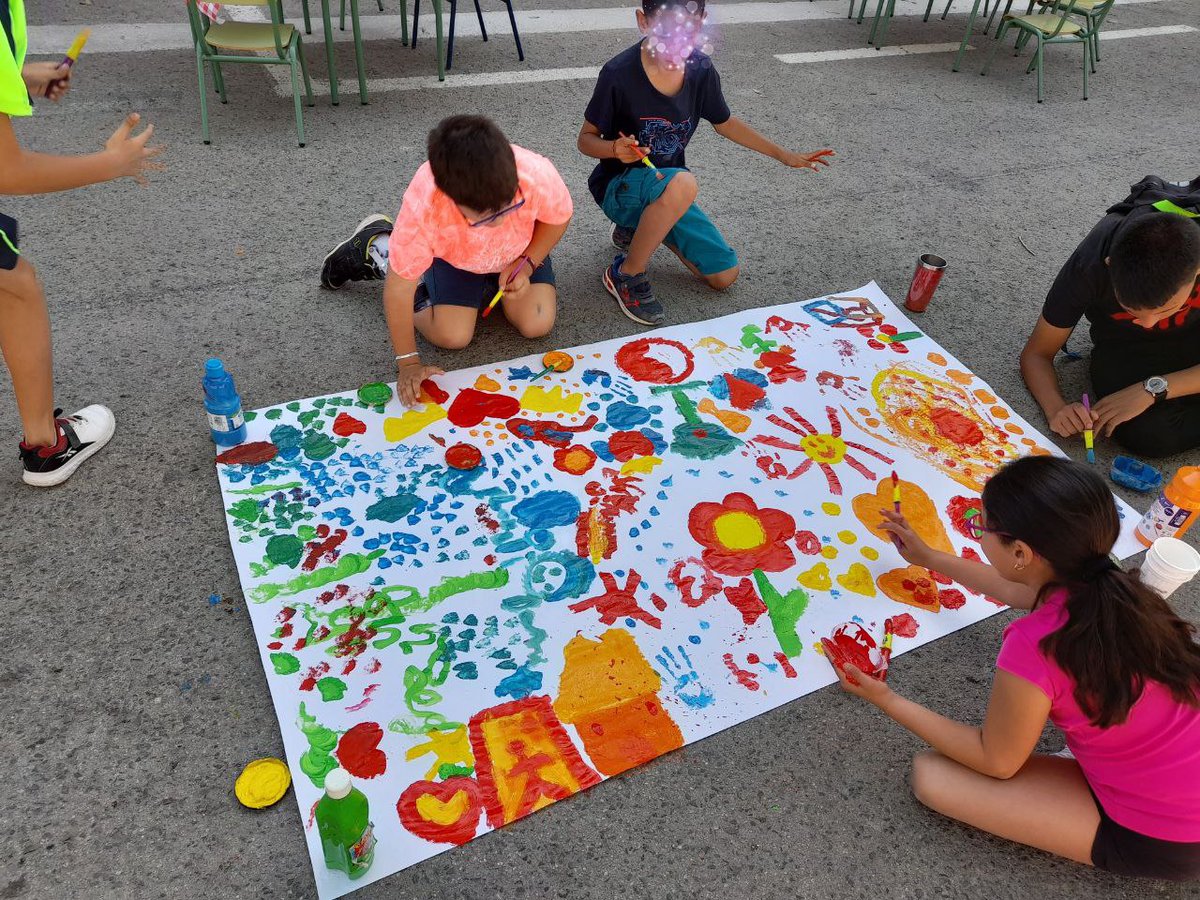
{"points": [[687, 686]]}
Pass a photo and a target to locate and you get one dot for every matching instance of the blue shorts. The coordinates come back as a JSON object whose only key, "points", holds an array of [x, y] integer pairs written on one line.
{"points": [[449, 286], [694, 236], [9, 254]]}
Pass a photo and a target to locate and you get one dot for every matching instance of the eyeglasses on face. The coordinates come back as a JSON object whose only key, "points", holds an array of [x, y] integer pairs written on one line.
{"points": [[498, 215], [975, 527]]}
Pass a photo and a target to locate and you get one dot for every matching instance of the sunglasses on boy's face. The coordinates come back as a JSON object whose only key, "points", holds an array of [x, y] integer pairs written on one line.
{"points": [[487, 220], [975, 527]]}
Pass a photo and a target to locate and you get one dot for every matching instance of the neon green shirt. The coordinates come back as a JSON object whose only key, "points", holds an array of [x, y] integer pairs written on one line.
{"points": [[14, 96]]}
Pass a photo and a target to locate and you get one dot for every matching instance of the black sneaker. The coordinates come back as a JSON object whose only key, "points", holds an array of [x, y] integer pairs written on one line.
{"points": [[633, 294], [622, 238], [79, 436], [349, 260]]}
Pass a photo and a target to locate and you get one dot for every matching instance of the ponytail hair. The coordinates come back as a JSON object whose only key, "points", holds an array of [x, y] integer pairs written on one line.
{"points": [[1119, 634]]}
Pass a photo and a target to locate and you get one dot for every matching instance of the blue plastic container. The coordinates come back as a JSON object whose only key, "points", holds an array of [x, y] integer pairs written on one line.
{"points": [[225, 419], [1135, 474]]}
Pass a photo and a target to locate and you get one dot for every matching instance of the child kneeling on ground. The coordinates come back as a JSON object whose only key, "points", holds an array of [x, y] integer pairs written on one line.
{"points": [[480, 215], [1099, 653]]}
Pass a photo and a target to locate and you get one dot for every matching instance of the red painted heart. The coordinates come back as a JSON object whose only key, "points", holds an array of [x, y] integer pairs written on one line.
{"points": [[445, 812], [358, 751], [471, 407], [345, 425]]}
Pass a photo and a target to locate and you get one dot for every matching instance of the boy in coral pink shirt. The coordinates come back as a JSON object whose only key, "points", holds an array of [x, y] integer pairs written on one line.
{"points": [[481, 214]]}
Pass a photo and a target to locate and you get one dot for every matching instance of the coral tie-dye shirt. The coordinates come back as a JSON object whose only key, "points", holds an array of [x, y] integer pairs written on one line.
{"points": [[430, 226]]}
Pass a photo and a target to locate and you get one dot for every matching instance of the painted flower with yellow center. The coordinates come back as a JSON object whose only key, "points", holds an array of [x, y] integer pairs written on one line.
{"points": [[739, 537]]}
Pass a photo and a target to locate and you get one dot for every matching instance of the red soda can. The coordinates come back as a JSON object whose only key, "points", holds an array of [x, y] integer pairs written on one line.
{"points": [[930, 269]]}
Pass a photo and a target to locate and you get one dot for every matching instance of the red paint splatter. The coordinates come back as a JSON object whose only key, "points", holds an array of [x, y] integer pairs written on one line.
{"points": [[374, 666], [781, 365], [490, 559], [346, 425], [940, 578], [316, 673], [275, 645], [366, 698], [808, 543], [845, 348], [625, 445], [300, 644], [464, 456], [745, 600], [904, 626], [710, 585], [471, 407], [430, 389], [746, 679], [286, 613], [955, 427], [324, 550], [254, 453], [952, 598], [349, 667], [788, 669], [957, 508], [574, 460], [621, 602], [779, 323], [743, 394], [483, 514], [753, 659], [635, 360], [358, 751]]}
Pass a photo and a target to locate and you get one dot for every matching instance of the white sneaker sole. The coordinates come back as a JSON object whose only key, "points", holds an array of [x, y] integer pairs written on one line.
{"points": [[611, 288], [61, 474], [374, 217]]}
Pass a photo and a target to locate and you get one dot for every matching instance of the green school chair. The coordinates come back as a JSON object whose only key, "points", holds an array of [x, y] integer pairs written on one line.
{"points": [[1052, 28], [1093, 12], [217, 44]]}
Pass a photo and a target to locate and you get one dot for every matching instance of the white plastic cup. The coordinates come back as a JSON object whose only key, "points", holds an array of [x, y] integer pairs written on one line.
{"points": [[1169, 564]]}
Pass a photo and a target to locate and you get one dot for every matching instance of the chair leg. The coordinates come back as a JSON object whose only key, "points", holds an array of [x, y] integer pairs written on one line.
{"points": [[450, 37], [416, 23], [441, 46], [219, 81], [928, 7], [995, 9], [1040, 68], [1021, 42], [307, 20], [1087, 64], [203, 97], [308, 94], [946, 11], [512, 18], [292, 66], [381, 5], [995, 46], [875, 24], [403, 23], [887, 21], [862, 11], [479, 16], [342, 17]]}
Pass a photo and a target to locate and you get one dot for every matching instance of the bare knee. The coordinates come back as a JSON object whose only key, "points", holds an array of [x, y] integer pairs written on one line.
{"points": [[21, 281], [534, 327], [682, 191], [451, 338], [927, 779], [721, 280]]}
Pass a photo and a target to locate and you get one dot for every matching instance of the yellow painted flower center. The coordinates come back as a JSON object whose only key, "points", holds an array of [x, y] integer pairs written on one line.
{"points": [[739, 531], [824, 448]]}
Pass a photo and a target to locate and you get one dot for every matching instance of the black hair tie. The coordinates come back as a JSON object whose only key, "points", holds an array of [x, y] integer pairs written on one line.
{"points": [[1097, 568]]}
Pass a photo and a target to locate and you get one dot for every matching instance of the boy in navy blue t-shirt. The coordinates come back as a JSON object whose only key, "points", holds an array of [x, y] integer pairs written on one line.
{"points": [[646, 106]]}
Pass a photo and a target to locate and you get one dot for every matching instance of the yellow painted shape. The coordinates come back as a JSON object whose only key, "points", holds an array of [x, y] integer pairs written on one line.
{"points": [[537, 399], [739, 531], [713, 345], [449, 747], [858, 579], [483, 383], [526, 732], [824, 448], [415, 420], [847, 537], [829, 552], [262, 783], [817, 578], [597, 539], [731, 419], [599, 675], [830, 509], [870, 553], [640, 465], [443, 812]]}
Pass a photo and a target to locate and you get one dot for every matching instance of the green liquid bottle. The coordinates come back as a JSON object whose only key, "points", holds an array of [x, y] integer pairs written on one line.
{"points": [[344, 823]]}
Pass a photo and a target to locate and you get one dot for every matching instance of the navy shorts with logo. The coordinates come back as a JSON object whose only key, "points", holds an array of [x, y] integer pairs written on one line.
{"points": [[449, 286], [9, 254]]}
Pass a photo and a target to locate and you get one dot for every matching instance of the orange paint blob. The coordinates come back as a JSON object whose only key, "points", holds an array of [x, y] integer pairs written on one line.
{"points": [[937, 359], [999, 412], [918, 509], [984, 397], [960, 376]]}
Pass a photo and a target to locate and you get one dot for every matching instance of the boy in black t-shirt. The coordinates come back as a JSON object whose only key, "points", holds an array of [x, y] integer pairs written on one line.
{"points": [[1136, 277], [646, 106]]}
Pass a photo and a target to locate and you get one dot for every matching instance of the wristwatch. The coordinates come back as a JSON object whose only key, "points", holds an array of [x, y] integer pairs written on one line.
{"points": [[1156, 386]]}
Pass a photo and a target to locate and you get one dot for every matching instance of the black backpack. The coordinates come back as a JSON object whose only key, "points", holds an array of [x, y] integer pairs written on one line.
{"points": [[1181, 197]]}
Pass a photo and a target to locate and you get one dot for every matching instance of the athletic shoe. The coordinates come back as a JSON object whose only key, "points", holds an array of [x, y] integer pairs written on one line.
{"points": [[622, 238], [349, 260], [79, 436], [633, 294]]}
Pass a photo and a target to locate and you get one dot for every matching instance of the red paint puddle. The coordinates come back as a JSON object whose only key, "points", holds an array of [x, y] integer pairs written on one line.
{"points": [[358, 751], [904, 626], [430, 389], [254, 453], [345, 425], [471, 407], [955, 427]]}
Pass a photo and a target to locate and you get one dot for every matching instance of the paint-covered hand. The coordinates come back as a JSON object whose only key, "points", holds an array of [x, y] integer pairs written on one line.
{"points": [[1127, 403], [812, 161], [408, 381], [854, 681], [907, 541], [47, 79], [1072, 419]]}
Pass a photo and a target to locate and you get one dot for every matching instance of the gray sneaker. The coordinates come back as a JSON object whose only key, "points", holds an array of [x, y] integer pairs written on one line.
{"points": [[633, 294]]}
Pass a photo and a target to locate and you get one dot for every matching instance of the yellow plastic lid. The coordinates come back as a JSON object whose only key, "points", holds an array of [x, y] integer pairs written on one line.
{"points": [[262, 783]]}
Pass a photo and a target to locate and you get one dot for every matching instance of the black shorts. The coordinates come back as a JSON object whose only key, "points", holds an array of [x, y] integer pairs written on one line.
{"points": [[9, 254], [449, 286], [1122, 851]]}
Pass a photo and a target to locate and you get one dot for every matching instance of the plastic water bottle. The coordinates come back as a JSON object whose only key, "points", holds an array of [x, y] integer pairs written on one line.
{"points": [[224, 406], [344, 823]]}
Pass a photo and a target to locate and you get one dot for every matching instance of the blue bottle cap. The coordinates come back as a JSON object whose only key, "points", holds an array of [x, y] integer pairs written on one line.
{"points": [[214, 367]]}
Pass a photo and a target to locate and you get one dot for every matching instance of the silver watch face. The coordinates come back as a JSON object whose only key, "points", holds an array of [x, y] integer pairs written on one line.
{"points": [[1155, 385]]}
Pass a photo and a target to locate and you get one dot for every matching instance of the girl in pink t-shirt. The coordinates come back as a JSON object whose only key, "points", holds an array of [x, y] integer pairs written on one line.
{"points": [[1099, 654]]}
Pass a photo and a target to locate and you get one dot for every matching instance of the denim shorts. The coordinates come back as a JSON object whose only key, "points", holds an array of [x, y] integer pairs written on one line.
{"points": [[448, 286], [694, 236]]}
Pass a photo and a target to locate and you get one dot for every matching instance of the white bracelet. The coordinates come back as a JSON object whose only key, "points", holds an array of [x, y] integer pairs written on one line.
{"points": [[407, 355]]}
